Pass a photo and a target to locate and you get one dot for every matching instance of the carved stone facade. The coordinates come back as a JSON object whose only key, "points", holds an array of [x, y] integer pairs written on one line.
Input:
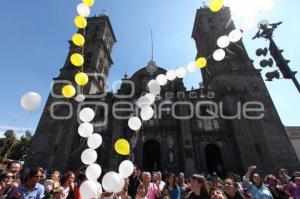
{"points": [[167, 142]]}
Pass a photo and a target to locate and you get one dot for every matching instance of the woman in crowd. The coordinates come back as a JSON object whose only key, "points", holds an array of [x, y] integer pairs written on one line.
{"points": [[6, 181], [52, 186], [217, 194], [199, 188], [231, 189], [140, 194], [295, 185], [171, 189], [183, 188], [276, 191], [151, 189], [67, 186]]}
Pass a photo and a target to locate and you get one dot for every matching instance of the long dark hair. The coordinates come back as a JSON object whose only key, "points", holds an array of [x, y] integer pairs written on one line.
{"points": [[172, 175], [65, 177], [201, 180]]}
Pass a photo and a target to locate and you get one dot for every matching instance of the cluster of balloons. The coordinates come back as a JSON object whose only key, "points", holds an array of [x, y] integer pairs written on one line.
{"points": [[154, 86], [77, 59], [90, 188], [113, 182], [224, 41]]}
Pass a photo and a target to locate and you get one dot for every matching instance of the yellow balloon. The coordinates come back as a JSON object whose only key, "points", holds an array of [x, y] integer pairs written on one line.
{"points": [[77, 59], [81, 79], [201, 62], [216, 5], [68, 91], [88, 2], [122, 147], [80, 22], [78, 39]]}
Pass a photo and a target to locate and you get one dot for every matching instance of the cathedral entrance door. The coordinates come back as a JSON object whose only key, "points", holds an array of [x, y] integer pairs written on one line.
{"points": [[214, 160], [151, 155]]}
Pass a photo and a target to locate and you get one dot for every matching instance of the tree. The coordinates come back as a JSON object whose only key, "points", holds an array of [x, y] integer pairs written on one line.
{"points": [[7, 142], [22, 147], [19, 147]]}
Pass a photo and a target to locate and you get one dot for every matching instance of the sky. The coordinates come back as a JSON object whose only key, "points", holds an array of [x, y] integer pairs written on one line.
{"points": [[34, 47]]}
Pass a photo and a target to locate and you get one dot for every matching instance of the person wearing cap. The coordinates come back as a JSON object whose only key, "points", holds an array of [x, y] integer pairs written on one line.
{"points": [[199, 188], [257, 189]]}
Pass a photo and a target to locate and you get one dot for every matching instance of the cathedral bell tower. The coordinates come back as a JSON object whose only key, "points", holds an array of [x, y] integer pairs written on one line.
{"points": [[58, 127], [262, 142]]}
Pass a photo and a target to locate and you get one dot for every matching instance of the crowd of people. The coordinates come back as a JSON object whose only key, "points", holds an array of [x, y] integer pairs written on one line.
{"points": [[34, 184]]}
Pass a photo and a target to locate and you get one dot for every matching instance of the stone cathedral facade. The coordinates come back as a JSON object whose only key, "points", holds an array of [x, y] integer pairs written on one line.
{"points": [[183, 143]]}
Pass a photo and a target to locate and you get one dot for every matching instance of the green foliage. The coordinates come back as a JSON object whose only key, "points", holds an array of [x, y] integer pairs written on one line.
{"points": [[21, 146]]}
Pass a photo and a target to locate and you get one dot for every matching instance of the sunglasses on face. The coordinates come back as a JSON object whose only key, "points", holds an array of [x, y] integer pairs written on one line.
{"points": [[9, 177]]}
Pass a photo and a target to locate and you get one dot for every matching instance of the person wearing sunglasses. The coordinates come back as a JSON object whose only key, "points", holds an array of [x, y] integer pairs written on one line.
{"points": [[31, 188], [8, 179]]}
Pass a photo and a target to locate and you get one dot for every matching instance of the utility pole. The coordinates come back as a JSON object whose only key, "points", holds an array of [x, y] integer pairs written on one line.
{"points": [[266, 31]]}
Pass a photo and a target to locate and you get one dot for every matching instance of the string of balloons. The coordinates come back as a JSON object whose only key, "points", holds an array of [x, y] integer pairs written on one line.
{"points": [[112, 181], [154, 86]]}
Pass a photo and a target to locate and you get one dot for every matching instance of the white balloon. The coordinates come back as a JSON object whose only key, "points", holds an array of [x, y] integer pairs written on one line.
{"points": [[219, 55], [120, 186], [83, 10], [134, 123], [30, 101], [86, 115], [126, 168], [85, 129], [192, 67], [94, 141], [180, 72], [88, 189], [111, 181], [235, 35], [143, 101], [223, 41], [151, 97], [89, 156], [162, 79], [80, 98], [171, 75], [93, 172], [147, 113], [154, 87]]}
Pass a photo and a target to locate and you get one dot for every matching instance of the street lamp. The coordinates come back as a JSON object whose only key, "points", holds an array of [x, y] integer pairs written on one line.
{"points": [[266, 31]]}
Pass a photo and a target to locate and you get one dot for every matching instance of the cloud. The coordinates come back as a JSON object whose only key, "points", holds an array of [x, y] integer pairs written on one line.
{"points": [[1, 134]]}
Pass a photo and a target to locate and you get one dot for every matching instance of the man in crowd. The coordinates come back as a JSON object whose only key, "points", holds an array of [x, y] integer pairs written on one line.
{"points": [[256, 187]]}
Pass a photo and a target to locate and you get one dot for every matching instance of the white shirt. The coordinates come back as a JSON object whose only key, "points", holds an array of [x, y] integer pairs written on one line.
{"points": [[161, 185]]}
